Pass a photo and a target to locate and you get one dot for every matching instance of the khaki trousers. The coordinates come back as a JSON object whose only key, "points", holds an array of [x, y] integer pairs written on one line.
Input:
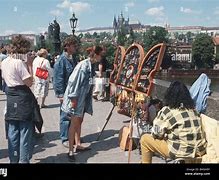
{"points": [[149, 145]]}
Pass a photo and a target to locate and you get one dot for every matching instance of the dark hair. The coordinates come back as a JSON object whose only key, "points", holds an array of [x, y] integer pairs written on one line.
{"points": [[94, 50], [3, 51], [178, 96], [19, 45], [156, 101], [69, 41]]}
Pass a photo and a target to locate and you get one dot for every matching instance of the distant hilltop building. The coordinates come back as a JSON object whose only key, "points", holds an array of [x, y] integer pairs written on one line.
{"points": [[211, 31], [118, 24], [121, 23]]}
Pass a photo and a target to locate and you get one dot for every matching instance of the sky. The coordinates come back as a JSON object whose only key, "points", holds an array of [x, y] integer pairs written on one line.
{"points": [[34, 16]]}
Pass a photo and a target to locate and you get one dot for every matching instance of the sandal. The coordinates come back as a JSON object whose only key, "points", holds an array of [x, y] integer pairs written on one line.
{"points": [[81, 149], [71, 156], [95, 97]]}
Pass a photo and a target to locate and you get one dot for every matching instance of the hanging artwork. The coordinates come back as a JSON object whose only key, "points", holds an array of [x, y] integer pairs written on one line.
{"points": [[144, 86], [119, 55], [129, 67], [127, 74], [131, 81], [148, 68], [120, 52]]}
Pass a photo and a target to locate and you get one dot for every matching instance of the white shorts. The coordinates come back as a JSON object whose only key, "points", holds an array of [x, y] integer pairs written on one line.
{"points": [[41, 89]]}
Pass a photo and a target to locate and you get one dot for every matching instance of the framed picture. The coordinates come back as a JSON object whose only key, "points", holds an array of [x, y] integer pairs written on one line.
{"points": [[148, 68]]}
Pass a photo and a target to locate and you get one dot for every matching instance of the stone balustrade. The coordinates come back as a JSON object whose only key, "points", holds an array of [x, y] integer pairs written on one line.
{"points": [[212, 101]]}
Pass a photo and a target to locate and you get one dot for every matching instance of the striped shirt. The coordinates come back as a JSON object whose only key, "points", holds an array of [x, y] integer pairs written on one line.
{"points": [[182, 128]]}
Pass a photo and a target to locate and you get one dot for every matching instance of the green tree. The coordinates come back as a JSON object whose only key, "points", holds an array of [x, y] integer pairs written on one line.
{"points": [[121, 37], [110, 53], [176, 35], [182, 37], [203, 51], [87, 35], [189, 36], [63, 36], [154, 36], [130, 38]]}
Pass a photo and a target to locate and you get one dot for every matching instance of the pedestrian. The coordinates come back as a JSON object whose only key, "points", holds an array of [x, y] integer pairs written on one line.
{"points": [[63, 68], [17, 73], [41, 86], [3, 55], [177, 130], [78, 98], [100, 78]]}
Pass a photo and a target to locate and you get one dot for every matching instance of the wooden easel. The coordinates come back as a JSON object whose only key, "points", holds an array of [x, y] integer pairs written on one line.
{"points": [[155, 53]]}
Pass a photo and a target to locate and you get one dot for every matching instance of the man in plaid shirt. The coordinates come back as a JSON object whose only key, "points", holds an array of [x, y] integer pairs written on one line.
{"points": [[177, 131]]}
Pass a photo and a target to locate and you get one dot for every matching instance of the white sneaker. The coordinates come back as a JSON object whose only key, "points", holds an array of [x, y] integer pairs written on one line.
{"points": [[65, 144]]}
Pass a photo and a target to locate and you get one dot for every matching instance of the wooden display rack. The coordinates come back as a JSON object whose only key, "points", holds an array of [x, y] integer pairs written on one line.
{"points": [[132, 80]]}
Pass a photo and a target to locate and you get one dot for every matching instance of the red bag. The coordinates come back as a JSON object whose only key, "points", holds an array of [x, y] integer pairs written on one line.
{"points": [[42, 73]]}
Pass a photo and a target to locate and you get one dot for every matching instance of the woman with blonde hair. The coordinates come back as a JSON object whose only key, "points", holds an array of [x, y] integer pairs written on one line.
{"points": [[78, 98], [41, 86]]}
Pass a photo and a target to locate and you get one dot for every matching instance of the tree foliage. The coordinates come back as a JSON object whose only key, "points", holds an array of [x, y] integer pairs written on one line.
{"points": [[203, 51], [154, 36]]}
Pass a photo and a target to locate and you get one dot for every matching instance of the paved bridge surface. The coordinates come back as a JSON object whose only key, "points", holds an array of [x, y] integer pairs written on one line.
{"points": [[48, 149]]}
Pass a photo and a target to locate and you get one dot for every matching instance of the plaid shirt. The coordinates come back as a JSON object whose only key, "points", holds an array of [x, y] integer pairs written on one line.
{"points": [[182, 128]]}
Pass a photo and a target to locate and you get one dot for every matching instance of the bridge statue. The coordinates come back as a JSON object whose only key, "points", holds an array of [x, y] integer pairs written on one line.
{"points": [[54, 32]]}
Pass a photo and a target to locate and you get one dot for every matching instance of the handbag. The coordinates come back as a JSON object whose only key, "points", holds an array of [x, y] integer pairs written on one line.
{"points": [[42, 73]]}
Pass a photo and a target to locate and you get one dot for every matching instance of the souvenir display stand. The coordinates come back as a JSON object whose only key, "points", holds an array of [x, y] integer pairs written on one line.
{"points": [[131, 81]]}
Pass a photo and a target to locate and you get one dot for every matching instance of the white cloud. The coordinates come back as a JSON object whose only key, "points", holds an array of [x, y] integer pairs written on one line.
{"points": [[76, 7], [156, 11], [15, 9], [152, 1], [64, 4], [56, 12], [216, 11], [128, 5], [189, 11]]}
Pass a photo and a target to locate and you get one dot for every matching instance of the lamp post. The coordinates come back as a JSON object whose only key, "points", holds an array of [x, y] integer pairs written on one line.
{"points": [[73, 23]]}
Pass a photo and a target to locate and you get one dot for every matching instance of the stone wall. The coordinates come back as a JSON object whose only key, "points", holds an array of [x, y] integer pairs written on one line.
{"points": [[212, 101]]}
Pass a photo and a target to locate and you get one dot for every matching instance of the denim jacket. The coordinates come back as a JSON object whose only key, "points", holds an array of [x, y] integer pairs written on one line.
{"points": [[62, 70], [80, 88]]}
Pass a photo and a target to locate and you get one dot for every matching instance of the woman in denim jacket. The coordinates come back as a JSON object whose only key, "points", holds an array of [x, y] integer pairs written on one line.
{"points": [[78, 98]]}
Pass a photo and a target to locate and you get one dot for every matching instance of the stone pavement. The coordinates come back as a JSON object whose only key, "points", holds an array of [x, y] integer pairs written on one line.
{"points": [[48, 149]]}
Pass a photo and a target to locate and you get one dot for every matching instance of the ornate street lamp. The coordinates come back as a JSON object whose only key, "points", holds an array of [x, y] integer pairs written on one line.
{"points": [[73, 22]]}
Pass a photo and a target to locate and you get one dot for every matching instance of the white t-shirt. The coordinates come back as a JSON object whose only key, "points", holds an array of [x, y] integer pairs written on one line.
{"points": [[14, 71]]}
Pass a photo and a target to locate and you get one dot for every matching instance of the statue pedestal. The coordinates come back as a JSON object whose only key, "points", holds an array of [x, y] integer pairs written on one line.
{"points": [[57, 47]]}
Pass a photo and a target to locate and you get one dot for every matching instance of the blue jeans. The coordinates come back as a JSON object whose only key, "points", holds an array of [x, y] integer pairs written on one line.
{"points": [[20, 141], [64, 126]]}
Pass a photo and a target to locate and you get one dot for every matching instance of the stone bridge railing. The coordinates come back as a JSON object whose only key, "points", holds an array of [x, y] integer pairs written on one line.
{"points": [[212, 101]]}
